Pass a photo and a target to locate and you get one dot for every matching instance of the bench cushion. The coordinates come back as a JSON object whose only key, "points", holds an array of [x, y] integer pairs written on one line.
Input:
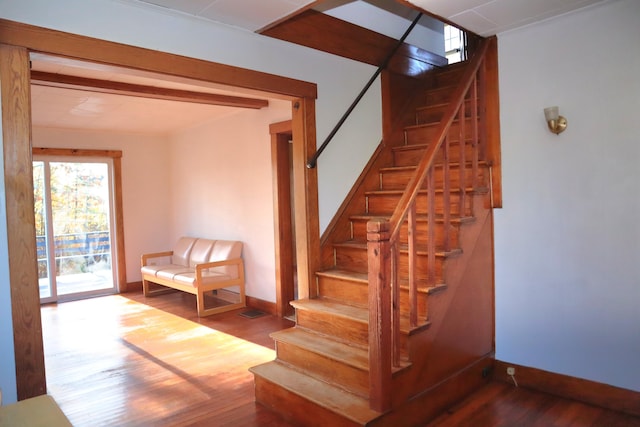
{"points": [[182, 250], [207, 277], [200, 252], [223, 250]]}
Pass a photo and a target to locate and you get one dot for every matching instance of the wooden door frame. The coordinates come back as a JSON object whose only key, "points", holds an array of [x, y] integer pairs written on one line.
{"points": [[17, 40], [281, 134]]}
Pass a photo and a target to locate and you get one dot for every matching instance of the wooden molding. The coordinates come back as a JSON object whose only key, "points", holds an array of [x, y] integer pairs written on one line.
{"points": [[283, 233], [132, 287], [41, 78], [262, 305], [90, 49], [332, 35], [591, 392]]}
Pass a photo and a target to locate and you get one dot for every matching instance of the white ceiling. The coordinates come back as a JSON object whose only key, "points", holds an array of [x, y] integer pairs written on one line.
{"points": [[248, 14], [484, 17], [490, 17], [55, 107], [81, 109]]}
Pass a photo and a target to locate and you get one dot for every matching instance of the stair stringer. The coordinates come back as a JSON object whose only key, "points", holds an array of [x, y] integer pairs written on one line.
{"points": [[454, 355]]}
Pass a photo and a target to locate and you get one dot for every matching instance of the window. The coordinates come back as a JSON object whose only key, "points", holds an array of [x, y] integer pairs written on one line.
{"points": [[453, 43]]}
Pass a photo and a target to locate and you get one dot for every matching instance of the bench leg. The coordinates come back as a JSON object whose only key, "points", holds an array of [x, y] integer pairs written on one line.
{"points": [[203, 311], [147, 291]]}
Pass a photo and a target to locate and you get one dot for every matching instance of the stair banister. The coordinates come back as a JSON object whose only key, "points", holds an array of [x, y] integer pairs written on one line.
{"points": [[314, 159], [382, 244]]}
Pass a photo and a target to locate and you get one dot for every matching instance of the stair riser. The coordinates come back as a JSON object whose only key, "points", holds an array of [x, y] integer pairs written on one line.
{"points": [[356, 260], [398, 179], [385, 204], [439, 95], [296, 408], [360, 233], [343, 328], [325, 369], [412, 156], [427, 133], [449, 77], [355, 293], [435, 114], [349, 292]]}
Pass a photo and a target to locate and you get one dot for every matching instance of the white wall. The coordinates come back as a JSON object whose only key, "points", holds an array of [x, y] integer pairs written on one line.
{"points": [[221, 183], [146, 182], [567, 241]]}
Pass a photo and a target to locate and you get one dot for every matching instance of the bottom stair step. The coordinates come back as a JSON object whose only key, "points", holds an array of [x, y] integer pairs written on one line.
{"points": [[308, 401]]}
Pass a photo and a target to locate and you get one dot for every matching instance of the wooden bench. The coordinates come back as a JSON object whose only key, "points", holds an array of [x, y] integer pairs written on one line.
{"points": [[198, 266]]}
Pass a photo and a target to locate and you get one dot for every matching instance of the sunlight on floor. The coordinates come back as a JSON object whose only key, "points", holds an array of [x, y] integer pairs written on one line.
{"points": [[111, 357]]}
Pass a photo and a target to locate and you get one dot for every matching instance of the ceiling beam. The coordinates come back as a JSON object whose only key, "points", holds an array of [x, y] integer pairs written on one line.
{"points": [[41, 78], [328, 34]]}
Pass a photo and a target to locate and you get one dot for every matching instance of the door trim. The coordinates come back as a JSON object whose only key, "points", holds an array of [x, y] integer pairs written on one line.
{"points": [[118, 217], [281, 134]]}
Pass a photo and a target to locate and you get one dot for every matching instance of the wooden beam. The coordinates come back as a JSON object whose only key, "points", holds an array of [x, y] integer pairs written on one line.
{"points": [[42, 78], [90, 49], [21, 231], [328, 34]]}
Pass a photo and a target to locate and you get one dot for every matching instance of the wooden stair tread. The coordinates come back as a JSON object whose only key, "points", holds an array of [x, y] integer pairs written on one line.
{"points": [[332, 307], [423, 191], [357, 244], [335, 399], [423, 286], [409, 147], [481, 163], [432, 124], [340, 273], [356, 357], [358, 314], [419, 218]]}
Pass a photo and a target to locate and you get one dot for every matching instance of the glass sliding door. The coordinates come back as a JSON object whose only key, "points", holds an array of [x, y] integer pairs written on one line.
{"points": [[73, 209]]}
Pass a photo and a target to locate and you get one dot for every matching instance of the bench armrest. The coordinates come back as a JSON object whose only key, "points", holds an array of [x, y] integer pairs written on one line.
{"points": [[206, 265], [146, 257]]}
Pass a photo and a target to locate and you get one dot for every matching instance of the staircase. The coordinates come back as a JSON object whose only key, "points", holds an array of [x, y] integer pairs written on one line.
{"points": [[419, 239]]}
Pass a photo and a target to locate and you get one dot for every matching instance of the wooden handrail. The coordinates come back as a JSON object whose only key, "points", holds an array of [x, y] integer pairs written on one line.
{"points": [[314, 159], [383, 237]]}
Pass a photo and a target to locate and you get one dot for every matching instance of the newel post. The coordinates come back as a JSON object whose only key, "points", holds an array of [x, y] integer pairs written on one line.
{"points": [[380, 341]]}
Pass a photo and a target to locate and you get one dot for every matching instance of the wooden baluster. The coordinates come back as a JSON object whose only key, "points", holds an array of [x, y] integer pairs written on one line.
{"points": [[431, 246], [462, 163], [395, 305], [446, 185], [474, 130], [380, 334], [413, 285], [482, 94]]}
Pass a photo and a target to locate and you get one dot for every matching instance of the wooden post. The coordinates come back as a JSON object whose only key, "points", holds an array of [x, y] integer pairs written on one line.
{"points": [[380, 340], [305, 184], [21, 231]]}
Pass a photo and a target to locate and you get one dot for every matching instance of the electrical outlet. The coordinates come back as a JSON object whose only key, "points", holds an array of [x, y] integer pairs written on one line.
{"points": [[511, 371]]}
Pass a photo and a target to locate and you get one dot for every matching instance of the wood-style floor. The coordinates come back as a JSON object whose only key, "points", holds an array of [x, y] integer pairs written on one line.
{"points": [[129, 361]]}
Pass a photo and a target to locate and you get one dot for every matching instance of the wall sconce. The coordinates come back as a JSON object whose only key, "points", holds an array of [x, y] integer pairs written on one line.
{"points": [[556, 122]]}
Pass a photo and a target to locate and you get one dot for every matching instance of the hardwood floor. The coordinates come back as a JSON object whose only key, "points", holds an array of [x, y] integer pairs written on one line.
{"points": [[126, 360], [129, 361], [502, 404]]}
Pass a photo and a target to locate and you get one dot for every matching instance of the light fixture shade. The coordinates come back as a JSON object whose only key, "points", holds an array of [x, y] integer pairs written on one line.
{"points": [[551, 113]]}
